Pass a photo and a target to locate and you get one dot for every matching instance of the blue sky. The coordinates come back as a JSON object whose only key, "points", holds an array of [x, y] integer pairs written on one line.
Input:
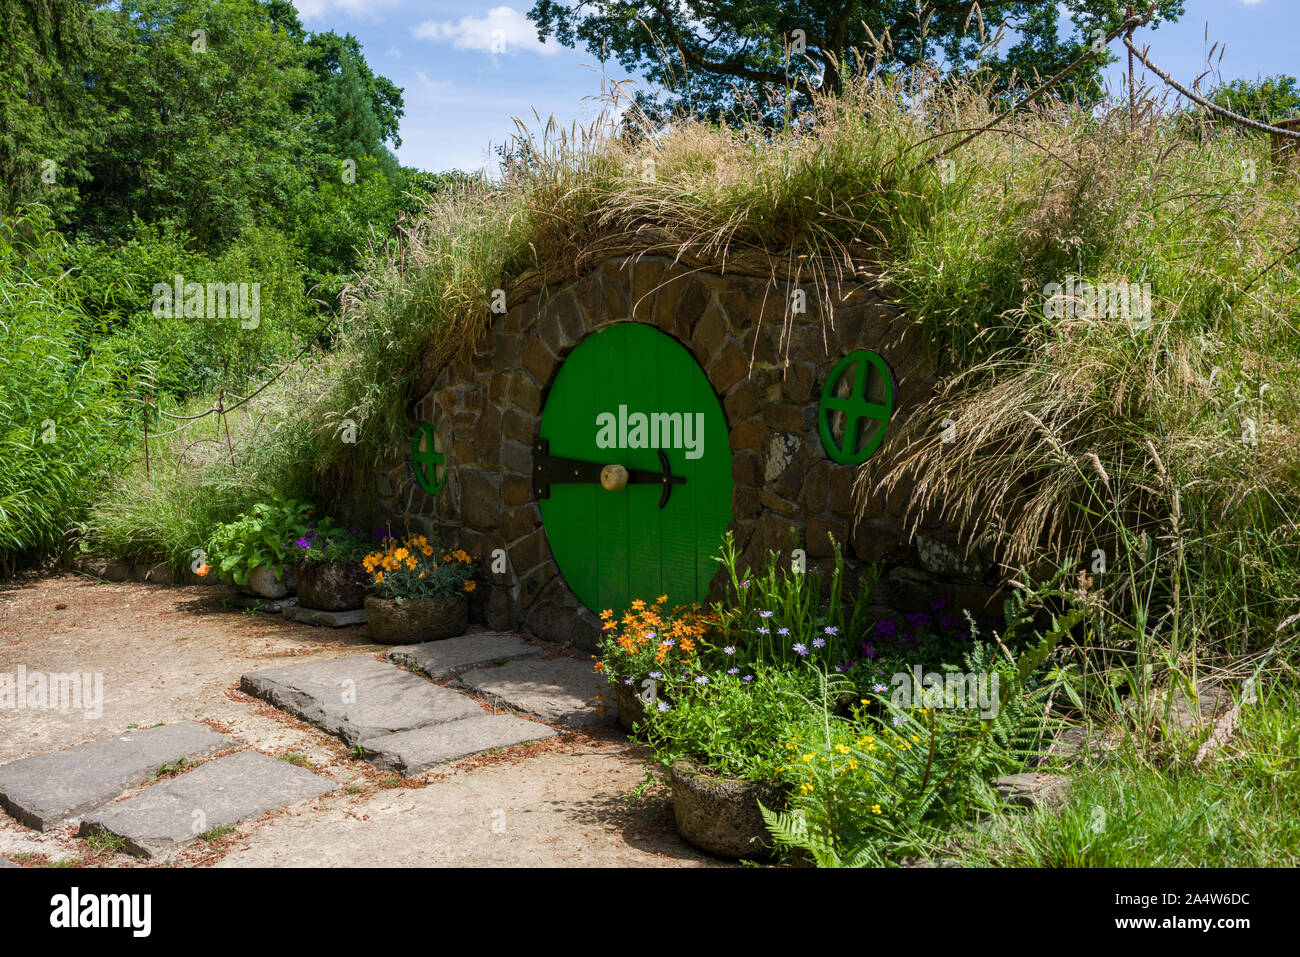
{"points": [[468, 67]]}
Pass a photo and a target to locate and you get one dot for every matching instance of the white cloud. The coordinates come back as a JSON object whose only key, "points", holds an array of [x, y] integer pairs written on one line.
{"points": [[431, 84], [315, 9], [394, 52], [502, 30]]}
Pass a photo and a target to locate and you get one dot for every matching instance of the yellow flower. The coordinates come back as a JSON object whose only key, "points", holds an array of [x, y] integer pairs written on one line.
{"points": [[470, 586], [875, 809], [638, 605], [379, 578], [808, 757], [662, 599], [853, 764], [805, 788], [841, 749]]}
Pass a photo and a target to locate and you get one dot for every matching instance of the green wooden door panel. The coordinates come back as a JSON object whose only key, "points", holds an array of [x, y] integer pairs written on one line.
{"points": [[615, 547]]}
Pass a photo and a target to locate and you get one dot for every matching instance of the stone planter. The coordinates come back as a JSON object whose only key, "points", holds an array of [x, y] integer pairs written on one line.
{"points": [[417, 619], [631, 709], [332, 586], [720, 815], [263, 583]]}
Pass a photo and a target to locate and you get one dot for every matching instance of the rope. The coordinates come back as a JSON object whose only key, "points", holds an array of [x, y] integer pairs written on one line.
{"points": [[1202, 101]]}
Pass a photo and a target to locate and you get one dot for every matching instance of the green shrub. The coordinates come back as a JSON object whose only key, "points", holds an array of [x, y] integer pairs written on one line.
{"points": [[265, 537], [61, 417], [888, 778]]}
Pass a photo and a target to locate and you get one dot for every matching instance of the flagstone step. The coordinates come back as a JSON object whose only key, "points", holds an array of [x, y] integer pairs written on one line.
{"points": [[438, 659], [43, 790], [330, 619], [415, 751], [171, 813], [272, 606], [563, 691], [357, 697]]}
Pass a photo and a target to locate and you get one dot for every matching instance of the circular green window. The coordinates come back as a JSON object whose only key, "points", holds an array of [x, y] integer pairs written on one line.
{"points": [[856, 404]]}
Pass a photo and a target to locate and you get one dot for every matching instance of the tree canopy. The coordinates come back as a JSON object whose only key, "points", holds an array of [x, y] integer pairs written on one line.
{"points": [[707, 54]]}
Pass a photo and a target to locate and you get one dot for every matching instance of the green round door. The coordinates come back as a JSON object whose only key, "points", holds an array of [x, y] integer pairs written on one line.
{"points": [[632, 396]]}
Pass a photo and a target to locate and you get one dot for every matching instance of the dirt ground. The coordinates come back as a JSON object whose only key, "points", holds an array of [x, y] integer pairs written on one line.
{"points": [[176, 653]]}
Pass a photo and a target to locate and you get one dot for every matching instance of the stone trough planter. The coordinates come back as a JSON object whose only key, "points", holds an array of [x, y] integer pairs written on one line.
{"points": [[332, 586], [720, 815], [263, 583], [417, 620], [631, 709]]}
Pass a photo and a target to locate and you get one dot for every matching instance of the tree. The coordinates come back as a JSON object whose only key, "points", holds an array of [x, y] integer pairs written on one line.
{"points": [[47, 125], [1268, 100], [199, 127], [710, 53]]}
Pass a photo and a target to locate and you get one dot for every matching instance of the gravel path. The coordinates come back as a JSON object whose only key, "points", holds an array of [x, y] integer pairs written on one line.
{"points": [[170, 654]]}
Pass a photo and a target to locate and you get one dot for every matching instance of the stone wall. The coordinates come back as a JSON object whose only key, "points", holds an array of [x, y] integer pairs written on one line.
{"points": [[767, 368]]}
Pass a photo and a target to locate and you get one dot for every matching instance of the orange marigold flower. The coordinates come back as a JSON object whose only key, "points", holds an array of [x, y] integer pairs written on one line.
{"points": [[203, 570], [470, 586]]}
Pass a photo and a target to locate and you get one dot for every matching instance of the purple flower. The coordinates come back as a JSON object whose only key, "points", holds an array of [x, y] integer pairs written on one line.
{"points": [[885, 628], [656, 675], [868, 649], [831, 630], [783, 632], [747, 678], [667, 643], [938, 604], [663, 705], [628, 682], [879, 688], [819, 642], [745, 583], [800, 649], [701, 680], [919, 619], [898, 719], [764, 614], [729, 650], [733, 671], [303, 544], [762, 631]]}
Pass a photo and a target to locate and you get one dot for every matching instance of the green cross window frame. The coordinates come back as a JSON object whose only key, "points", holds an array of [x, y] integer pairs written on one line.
{"points": [[425, 461], [861, 392]]}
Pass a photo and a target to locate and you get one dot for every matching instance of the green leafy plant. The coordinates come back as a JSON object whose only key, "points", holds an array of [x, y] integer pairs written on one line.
{"points": [[264, 537], [731, 724], [327, 542], [887, 779], [777, 615]]}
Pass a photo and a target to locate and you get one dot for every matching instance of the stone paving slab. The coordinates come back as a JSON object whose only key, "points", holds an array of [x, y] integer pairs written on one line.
{"points": [[412, 752], [563, 691], [5, 862], [43, 790], [438, 659], [272, 606], [357, 697], [170, 813], [325, 619]]}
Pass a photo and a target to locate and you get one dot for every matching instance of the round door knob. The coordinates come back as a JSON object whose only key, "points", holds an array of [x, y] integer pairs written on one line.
{"points": [[613, 477]]}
